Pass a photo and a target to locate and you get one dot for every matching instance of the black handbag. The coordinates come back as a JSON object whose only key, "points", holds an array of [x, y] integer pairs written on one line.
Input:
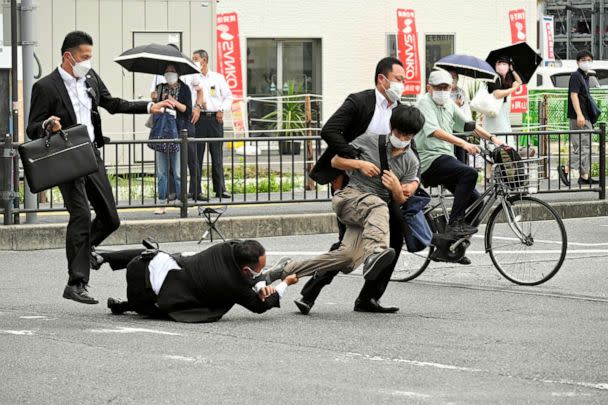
{"points": [[58, 158]]}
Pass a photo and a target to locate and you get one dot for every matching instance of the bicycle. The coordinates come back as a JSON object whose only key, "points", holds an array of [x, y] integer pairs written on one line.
{"points": [[515, 219]]}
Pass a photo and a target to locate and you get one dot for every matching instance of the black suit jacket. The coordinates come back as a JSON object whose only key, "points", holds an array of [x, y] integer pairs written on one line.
{"points": [[209, 285], [347, 123], [50, 97]]}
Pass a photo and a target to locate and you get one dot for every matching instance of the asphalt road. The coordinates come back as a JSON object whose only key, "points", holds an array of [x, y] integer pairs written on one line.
{"points": [[463, 335]]}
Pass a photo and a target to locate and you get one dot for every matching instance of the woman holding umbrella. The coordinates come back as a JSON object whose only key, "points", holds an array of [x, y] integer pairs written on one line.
{"points": [[177, 93], [508, 82]]}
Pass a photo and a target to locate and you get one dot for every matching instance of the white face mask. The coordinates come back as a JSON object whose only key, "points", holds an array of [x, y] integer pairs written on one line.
{"points": [[441, 97], [253, 273], [585, 65], [81, 69], [197, 64], [395, 90], [171, 77], [398, 143]]}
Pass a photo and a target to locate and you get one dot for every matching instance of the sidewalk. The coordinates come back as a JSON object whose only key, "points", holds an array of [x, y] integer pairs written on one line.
{"points": [[239, 221]]}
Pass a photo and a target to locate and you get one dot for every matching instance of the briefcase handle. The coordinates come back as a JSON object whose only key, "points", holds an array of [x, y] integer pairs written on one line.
{"points": [[47, 138]]}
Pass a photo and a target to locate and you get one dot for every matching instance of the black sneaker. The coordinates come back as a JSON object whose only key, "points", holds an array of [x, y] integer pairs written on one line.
{"points": [[563, 176], [95, 259], [464, 260], [377, 262], [303, 306], [460, 228], [589, 181], [78, 292]]}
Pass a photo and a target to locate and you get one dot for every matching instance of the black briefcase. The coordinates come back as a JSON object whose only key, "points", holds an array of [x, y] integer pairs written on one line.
{"points": [[58, 158]]}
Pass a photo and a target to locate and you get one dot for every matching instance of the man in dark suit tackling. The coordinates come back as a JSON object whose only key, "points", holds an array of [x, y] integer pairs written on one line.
{"points": [[71, 95], [369, 110], [199, 287]]}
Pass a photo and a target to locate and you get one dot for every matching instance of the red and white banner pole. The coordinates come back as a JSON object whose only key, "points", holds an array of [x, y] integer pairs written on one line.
{"points": [[517, 21], [407, 43]]}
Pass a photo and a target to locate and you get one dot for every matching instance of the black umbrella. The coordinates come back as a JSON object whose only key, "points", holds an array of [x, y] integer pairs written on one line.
{"points": [[154, 58], [525, 60]]}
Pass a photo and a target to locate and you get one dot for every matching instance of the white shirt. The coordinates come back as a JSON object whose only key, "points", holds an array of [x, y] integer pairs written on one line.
{"points": [[193, 81], [218, 96], [281, 287], [381, 121], [81, 101], [159, 267]]}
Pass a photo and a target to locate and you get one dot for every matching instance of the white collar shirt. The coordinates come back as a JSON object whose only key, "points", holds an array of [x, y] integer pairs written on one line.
{"points": [[81, 101], [380, 123], [218, 96]]}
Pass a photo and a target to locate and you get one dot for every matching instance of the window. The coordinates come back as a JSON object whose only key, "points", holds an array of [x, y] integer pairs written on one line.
{"points": [[280, 67], [561, 80], [391, 46], [437, 46]]}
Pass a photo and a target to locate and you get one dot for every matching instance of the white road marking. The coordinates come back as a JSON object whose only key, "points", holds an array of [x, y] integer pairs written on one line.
{"points": [[181, 358], [18, 332], [597, 386], [43, 317], [134, 330], [555, 242], [472, 252], [407, 394]]}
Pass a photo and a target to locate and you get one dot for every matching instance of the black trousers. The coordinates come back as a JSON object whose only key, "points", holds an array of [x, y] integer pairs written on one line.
{"points": [[457, 177], [140, 296], [461, 154], [207, 127], [372, 288], [82, 233]]}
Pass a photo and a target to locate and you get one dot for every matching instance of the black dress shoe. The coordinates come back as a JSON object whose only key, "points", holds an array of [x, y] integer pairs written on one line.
{"points": [[373, 306], [588, 181], [464, 260], [303, 306], [460, 228], [78, 293], [563, 176], [223, 195], [116, 306]]}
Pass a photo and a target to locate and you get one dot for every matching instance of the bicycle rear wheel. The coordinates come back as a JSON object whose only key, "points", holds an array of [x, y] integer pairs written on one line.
{"points": [[540, 254], [411, 265]]}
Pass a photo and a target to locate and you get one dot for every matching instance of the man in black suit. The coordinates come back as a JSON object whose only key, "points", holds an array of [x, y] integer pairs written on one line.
{"points": [[71, 95], [198, 287], [369, 110]]}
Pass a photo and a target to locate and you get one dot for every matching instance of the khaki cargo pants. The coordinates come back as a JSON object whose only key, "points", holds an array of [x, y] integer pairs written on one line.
{"points": [[366, 218]]}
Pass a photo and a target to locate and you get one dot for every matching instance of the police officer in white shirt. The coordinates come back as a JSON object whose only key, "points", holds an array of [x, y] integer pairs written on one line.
{"points": [[218, 99]]}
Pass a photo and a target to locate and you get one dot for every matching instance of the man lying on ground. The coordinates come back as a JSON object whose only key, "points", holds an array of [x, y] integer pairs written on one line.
{"points": [[199, 287]]}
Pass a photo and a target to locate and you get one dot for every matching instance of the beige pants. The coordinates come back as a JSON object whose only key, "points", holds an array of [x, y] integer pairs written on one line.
{"points": [[367, 231], [579, 148]]}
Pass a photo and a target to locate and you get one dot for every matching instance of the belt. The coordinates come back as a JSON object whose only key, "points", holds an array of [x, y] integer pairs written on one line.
{"points": [[208, 113]]}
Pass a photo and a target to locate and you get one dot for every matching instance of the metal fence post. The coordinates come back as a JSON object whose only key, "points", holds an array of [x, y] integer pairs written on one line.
{"points": [[7, 194], [183, 169], [602, 161]]}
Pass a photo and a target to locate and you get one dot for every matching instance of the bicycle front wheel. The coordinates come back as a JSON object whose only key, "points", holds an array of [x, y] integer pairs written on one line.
{"points": [[527, 241], [411, 265]]}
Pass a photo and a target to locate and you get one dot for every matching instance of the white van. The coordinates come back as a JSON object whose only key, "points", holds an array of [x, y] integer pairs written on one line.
{"points": [[558, 75]]}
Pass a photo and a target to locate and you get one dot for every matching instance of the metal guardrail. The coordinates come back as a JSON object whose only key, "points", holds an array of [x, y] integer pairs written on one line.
{"points": [[257, 173]]}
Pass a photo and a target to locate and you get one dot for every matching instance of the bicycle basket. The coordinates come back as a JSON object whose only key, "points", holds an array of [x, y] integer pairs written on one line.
{"points": [[521, 176]]}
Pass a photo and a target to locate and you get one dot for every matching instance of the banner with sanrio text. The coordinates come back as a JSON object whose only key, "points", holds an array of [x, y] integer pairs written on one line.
{"points": [[229, 62], [407, 44]]}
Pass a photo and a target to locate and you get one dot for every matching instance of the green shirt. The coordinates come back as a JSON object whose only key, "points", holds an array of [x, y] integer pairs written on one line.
{"points": [[447, 117]]}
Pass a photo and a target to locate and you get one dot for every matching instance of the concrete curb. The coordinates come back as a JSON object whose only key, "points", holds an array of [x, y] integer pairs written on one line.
{"points": [[52, 236]]}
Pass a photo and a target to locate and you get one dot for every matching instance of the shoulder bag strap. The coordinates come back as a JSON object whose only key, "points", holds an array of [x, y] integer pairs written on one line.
{"points": [[393, 208]]}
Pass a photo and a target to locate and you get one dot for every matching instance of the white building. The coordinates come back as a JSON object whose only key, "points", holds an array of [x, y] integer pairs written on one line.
{"points": [[330, 47]]}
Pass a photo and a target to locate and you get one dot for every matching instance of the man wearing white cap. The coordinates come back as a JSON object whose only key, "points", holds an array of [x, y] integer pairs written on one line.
{"points": [[435, 141]]}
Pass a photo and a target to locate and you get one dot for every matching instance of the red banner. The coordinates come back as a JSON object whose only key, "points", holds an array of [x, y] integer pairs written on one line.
{"points": [[407, 43], [517, 21], [229, 62]]}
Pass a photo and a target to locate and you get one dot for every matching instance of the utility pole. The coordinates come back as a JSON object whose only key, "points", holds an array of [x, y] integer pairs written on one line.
{"points": [[15, 102]]}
